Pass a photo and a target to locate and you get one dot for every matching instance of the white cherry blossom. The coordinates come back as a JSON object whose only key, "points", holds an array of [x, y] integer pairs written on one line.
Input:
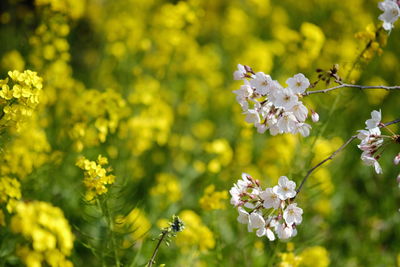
{"points": [[285, 188], [261, 127], [287, 122], [240, 73], [303, 129], [271, 199], [292, 214], [284, 231], [243, 216], [274, 130], [239, 188], [300, 111], [371, 161], [375, 120], [298, 83], [256, 221], [285, 98], [252, 116], [270, 235], [246, 181], [391, 13], [262, 83]]}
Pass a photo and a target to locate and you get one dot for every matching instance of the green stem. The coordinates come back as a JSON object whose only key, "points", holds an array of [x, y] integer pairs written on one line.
{"points": [[99, 206], [111, 227], [109, 221]]}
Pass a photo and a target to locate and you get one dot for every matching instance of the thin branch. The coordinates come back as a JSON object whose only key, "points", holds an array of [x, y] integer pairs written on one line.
{"points": [[325, 160], [152, 260], [391, 122], [310, 171], [345, 85]]}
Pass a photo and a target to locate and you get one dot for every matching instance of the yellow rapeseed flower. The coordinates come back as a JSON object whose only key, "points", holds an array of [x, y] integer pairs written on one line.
{"points": [[48, 234], [21, 94], [315, 257], [96, 177], [213, 200], [10, 192], [167, 188]]}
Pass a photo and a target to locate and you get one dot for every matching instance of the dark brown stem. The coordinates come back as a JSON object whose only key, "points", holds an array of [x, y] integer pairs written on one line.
{"points": [[325, 160], [152, 260]]}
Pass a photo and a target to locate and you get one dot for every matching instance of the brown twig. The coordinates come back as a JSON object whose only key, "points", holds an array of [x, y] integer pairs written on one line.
{"points": [[346, 85], [152, 260]]}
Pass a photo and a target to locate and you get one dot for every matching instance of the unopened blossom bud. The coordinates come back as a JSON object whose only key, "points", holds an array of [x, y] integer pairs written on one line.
{"points": [[396, 159], [248, 68], [314, 116]]}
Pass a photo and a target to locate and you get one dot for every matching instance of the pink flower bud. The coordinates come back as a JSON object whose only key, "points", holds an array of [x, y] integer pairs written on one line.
{"points": [[396, 159], [314, 116]]}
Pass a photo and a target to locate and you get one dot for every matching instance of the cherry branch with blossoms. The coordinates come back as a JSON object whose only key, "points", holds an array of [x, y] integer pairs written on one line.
{"points": [[270, 106]]}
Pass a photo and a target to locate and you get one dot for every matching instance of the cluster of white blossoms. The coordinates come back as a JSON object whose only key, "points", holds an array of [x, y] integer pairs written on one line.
{"points": [[269, 105], [391, 12], [270, 211], [373, 142]]}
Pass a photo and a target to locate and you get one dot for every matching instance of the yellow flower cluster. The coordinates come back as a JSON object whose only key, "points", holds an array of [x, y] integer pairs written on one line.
{"points": [[13, 60], [136, 224], [315, 256], [96, 177], [153, 117], [223, 154], [72, 8], [213, 200], [167, 188], [289, 259], [19, 97], [10, 192], [50, 55], [94, 115], [29, 149], [49, 239], [375, 39], [196, 234]]}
